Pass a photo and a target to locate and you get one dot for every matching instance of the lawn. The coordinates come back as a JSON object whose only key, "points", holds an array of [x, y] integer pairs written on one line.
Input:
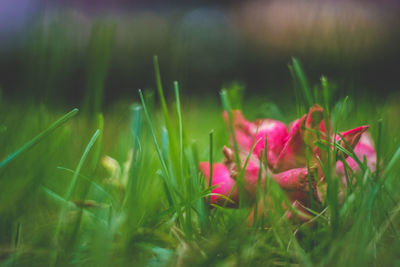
{"points": [[123, 186]]}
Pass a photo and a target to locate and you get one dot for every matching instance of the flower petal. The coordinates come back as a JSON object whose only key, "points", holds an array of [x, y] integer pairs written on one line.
{"points": [[276, 133], [296, 183], [223, 181], [293, 153], [303, 132], [251, 171], [364, 148], [247, 132], [352, 136]]}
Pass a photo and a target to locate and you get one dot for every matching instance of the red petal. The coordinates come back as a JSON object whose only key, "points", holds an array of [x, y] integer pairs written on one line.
{"points": [[293, 153], [352, 136]]}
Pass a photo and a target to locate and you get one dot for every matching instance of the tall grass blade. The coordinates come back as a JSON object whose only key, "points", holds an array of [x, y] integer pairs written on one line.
{"points": [[69, 191], [161, 93], [211, 163], [71, 186], [99, 142], [303, 82], [180, 123], [150, 125], [136, 126], [101, 43], [378, 150], [310, 188], [298, 99], [393, 162], [167, 177], [227, 107]]}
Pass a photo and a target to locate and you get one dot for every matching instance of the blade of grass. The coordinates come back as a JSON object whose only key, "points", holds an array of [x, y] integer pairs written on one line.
{"points": [[299, 108], [71, 186], [173, 154], [180, 124], [136, 126], [38, 138], [97, 147], [211, 164], [311, 191], [167, 177], [96, 185], [240, 177], [150, 125], [101, 43], [352, 153], [161, 91], [260, 168], [392, 163], [303, 82], [267, 178], [227, 108], [162, 99], [68, 193], [378, 149]]}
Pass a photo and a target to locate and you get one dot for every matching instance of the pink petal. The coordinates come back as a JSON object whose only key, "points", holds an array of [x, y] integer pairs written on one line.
{"points": [[222, 179], [293, 153], [276, 132], [238, 121], [352, 136], [295, 183], [293, 179], [248, 132], [243, 140], [302, 133], [241, 128], [250, 176]]}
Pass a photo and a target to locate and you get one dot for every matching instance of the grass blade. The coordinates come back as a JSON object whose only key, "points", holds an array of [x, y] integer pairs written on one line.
{"points": [[227, 107], [80, 164], [211, 163], [180, 123], [38, 138], [303, 82], [68, 194], [392, 163]]}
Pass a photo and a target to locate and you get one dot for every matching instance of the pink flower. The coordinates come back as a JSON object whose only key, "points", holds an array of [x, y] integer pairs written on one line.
{"points": [[286, 157]]}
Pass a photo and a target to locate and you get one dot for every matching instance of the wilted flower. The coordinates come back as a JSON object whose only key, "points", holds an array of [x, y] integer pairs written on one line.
{"points": [[288, 163]]}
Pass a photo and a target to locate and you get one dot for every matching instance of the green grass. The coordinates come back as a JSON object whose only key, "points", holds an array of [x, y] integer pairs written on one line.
{"points": [[61, 204]]}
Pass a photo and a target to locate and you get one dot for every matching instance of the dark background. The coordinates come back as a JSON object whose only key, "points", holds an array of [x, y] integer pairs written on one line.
{"points": [[58, 51]]}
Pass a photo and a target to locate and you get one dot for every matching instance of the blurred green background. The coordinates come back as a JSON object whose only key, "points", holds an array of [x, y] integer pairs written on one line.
{"points": [[58, 52]]}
